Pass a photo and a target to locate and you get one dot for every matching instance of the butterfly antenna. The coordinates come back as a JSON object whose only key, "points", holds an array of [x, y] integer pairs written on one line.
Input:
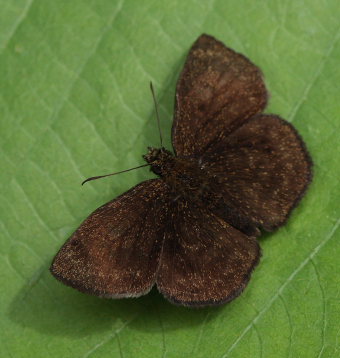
{"points": [[157, 115], [108, 175]]}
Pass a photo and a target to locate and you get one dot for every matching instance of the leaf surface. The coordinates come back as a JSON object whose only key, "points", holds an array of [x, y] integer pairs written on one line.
{"points": [[75, 103]]}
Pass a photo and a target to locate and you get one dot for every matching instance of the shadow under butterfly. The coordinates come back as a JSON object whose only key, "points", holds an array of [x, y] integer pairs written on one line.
{"points": [[192, 232]]}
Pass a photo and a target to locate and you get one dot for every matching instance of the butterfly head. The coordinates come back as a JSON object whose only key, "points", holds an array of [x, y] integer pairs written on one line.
{"points": [[158, 158]]}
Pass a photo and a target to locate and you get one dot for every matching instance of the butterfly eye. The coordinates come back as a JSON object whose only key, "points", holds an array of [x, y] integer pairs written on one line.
{"points": [[157, 169]]}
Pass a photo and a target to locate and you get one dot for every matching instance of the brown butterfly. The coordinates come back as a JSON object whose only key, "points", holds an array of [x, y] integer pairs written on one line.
{"points": [[192, 231]]}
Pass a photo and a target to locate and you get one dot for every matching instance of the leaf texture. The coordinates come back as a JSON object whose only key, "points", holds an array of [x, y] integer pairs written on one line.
{"points": [[75, 102]]}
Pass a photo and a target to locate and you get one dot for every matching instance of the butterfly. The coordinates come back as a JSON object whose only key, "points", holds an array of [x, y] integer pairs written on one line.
{"points": [[192, 232]]}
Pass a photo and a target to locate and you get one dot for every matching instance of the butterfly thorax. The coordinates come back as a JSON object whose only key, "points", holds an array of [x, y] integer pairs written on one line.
{"points": [[184, 175], [160, 160]]}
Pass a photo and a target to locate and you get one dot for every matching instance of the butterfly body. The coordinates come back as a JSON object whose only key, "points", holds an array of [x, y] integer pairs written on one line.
{"points": [[192, 231], [188, 178], [183, 176]]}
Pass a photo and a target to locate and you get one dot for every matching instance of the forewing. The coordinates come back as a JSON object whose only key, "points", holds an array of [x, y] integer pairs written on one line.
{"points": [[263, 169], [204, 260], [217, 91], [115, 252]]}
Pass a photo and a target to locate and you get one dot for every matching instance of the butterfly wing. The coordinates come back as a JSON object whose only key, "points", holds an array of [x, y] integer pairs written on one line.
{"points": [[204, 260], [115, 252], [263, 169], [217, 91]]}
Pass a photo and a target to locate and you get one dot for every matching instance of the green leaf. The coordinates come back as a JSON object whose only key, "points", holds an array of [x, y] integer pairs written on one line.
{"points": [[75, 102]]}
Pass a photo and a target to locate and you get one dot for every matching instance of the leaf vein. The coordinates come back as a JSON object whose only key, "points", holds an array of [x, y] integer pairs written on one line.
{"points": [[17, 23], [323, 309], [314, 78], [313, 253], [290, 325], [111, 336]]}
